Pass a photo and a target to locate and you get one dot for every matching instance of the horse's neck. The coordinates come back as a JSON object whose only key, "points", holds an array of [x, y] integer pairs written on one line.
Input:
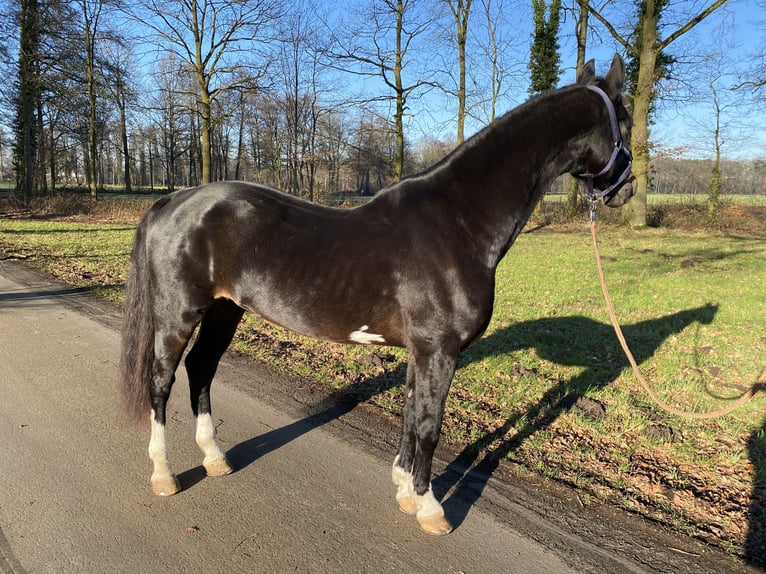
{"points": [[498, 176]]}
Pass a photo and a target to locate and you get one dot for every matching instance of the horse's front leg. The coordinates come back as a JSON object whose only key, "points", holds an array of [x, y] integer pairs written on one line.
{"points": [[401, 473], [428, 381]]}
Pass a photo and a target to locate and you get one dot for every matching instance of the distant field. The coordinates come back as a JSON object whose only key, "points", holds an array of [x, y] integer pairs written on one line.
{"points": [[112, 192], [681, 199], [659, 199]]}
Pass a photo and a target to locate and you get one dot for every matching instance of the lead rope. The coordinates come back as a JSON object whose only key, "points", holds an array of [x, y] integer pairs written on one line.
{"points": [[739, 401]]}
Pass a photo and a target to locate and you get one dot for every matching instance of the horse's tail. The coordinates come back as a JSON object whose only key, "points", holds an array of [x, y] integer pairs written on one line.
{"points": [[137, 356]]}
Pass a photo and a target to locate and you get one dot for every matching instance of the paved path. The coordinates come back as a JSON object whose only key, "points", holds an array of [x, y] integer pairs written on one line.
{"points": [[74, 493]]}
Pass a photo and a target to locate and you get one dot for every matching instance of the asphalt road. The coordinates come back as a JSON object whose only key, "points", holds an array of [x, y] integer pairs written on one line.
{"points": [[310, 492]]}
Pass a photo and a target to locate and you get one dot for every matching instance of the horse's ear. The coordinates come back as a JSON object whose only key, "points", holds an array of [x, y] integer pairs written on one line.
{"points": [[615, 78], [587, 74]]}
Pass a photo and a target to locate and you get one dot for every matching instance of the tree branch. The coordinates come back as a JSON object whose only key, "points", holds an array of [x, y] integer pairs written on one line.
{"points": [[612, 30], [690, 24]]}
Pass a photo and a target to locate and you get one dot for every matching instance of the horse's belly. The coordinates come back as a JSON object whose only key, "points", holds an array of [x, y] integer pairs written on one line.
{"points": [[329, 323]]}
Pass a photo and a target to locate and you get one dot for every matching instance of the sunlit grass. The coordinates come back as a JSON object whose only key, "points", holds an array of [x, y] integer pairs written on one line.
{"points": [[84, 255]]}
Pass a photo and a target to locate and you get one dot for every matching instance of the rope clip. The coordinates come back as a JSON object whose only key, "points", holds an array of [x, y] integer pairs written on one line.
{"points": [[592, 216]]}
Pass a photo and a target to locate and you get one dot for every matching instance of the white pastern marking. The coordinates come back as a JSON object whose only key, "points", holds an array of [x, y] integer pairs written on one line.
{"points": [[428, 505], [205, 438], [400, 476], [158, 450], [403, 481], [362, 336]]}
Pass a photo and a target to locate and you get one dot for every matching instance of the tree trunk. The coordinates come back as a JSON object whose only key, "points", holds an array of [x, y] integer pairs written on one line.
{"points": [[634, 212], [713, 200], [52, 159], [121, 104], [206, 150], [240, 138], [461, 13], [581, 33], [400, 95], [89, 28], [25, 149], [41, 176]]}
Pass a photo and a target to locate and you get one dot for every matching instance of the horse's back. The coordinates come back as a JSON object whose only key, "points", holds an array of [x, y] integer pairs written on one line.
{"points": [[295, 263]]}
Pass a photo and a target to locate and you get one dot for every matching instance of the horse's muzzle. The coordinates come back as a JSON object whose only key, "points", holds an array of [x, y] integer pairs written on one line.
{"points": [[621, 195]]}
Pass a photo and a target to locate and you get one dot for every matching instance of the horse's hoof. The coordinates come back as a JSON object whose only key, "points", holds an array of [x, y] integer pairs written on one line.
{"points": [[407, 505], [218, 467], [436, 524], [165, 486]]}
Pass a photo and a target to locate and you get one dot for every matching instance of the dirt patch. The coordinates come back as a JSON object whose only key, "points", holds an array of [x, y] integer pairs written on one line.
{"points": [[589, 408], [691, 262], [660, 433]]}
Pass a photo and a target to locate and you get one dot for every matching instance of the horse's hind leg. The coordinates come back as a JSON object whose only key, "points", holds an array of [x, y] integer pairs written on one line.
{"points": [[169, 346], [218, 326]]}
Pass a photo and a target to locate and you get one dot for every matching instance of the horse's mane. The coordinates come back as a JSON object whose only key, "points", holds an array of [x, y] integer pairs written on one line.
{"points": [[499, 124]]}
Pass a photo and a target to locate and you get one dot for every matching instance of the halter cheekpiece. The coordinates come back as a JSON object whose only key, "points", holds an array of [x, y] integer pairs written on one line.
{"points": [[619, 148]]}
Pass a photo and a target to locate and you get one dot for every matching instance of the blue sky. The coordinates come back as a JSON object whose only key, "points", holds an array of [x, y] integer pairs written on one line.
{"points": [[685, 117], [736, 34]]}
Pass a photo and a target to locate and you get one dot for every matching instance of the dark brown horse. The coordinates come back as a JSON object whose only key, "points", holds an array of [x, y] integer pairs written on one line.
{"points": [[413, 268]]}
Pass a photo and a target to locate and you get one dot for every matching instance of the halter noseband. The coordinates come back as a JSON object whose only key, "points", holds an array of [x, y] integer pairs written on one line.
{"points": [[619, 148]]}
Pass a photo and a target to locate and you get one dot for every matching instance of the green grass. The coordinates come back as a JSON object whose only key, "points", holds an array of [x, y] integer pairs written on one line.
{"points": [[692, 307], [85, 255]]}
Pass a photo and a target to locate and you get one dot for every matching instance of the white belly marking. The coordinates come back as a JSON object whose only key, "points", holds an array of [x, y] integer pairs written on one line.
{"points": [[362, 336]]}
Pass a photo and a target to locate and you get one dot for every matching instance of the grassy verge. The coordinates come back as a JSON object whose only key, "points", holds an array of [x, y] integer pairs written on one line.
{"points": [[548, 386]]}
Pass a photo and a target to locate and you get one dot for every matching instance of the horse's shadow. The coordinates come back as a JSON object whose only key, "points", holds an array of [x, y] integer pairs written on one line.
{"points": [[755, 545], [568, 341], [331, 408]]}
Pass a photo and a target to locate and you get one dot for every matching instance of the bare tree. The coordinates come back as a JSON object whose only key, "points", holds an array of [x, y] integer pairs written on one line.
{"points": [[91, 12], [172, 113], [491, 66], [722, 125], [217, 39], [117, 59], [381, 45], [461, 11], [644, 43], [581, 11], [493, 55], [715, 176], [302, 78], [754, 80]]}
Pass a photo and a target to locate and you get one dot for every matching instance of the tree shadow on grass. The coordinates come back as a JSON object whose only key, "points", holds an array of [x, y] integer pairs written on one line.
{"points": [[568, 341]]}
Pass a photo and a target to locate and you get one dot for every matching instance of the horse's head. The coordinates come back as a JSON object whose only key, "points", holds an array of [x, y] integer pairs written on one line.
{"points": [[606, 163]]}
